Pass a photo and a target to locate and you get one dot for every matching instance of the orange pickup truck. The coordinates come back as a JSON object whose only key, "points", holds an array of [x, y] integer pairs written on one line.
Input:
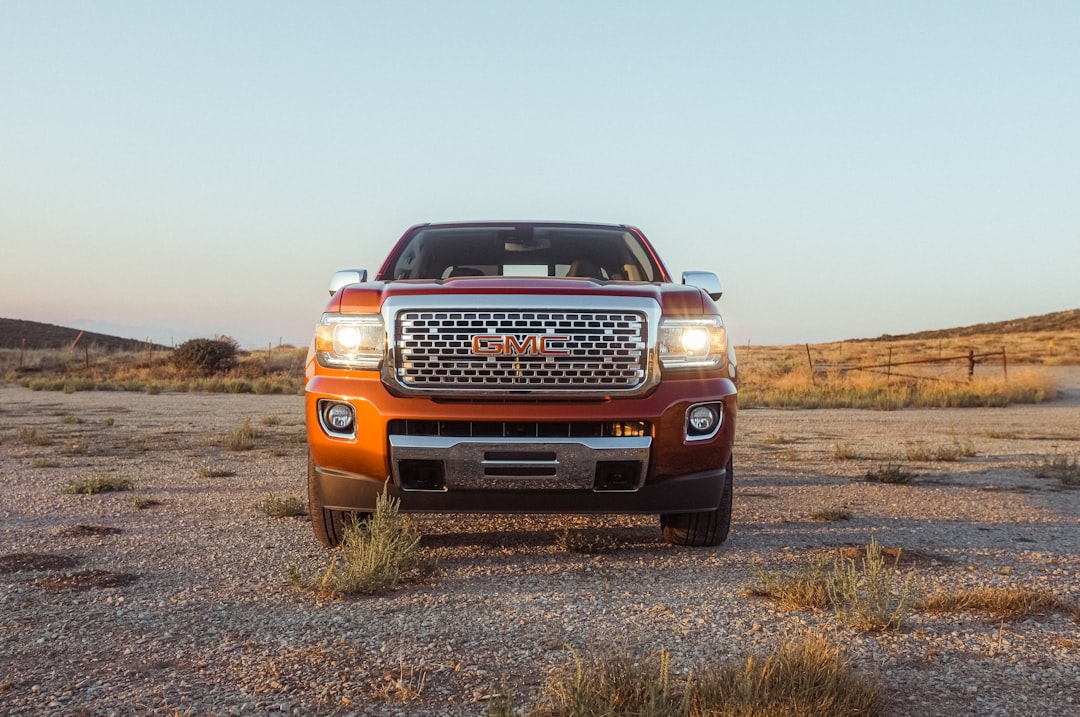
{"points": [[523, 367]]}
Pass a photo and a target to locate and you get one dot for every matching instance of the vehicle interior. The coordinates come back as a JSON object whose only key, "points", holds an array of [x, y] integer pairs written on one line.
{"points": [[599, 253]]}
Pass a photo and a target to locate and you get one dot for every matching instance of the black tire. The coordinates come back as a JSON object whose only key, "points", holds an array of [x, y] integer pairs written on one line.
{"points": [[702, 529], [329, 525]]}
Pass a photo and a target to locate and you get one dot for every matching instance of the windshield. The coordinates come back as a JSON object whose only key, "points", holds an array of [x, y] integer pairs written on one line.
{"points": [[605, 253]]}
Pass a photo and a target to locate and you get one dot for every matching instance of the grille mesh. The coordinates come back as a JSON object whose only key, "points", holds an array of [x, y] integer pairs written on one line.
{"points": [[605, 350]]}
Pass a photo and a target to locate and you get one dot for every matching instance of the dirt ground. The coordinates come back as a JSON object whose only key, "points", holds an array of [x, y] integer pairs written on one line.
{"points": [[171, 598]]}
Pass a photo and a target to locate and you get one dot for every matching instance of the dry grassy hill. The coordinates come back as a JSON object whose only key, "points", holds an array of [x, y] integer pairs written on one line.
{"points": [[1057, 322], [33, 335]]}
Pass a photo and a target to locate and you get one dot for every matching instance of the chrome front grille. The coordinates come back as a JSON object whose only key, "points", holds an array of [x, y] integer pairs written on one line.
{"points": [[467, 351]]}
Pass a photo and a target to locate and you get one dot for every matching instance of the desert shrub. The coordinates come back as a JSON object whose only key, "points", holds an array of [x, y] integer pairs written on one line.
{"points": [[289, 506], [97, 484], [237, 385], [242, 438], [376, 555], [265, 386], [206, 356], [73, 384], [890, 474], [868, 594], [841, 452], [1062, 468], [142, 502], [830, 515], [30, 436]]}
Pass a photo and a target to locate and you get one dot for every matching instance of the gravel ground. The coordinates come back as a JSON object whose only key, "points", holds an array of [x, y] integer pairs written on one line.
{"points": [[183, 607]]}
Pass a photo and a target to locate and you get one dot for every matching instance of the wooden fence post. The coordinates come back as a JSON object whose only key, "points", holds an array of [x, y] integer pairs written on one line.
{"points": [[813, 381], [971, 364], [1004, 363]]}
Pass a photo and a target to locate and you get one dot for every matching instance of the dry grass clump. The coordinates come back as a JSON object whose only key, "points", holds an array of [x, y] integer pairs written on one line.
{"points": [[74, 448], [1063, 469], [831, 515], [30, 436], [97, 484], [802, 678], [842, 452], [289, 506], [867, 594], [242, 438], [142, 502], [805, 589], [1008, 603], [890, 474], [375, 556], [922, 452]]}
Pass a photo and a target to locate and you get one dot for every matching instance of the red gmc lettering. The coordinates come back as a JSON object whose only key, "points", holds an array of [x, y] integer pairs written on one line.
{"points": [[510, 345]]}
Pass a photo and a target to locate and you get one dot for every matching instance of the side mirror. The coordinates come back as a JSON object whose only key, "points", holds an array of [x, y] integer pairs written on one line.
{"points": [[706, 281], [346, 277]]}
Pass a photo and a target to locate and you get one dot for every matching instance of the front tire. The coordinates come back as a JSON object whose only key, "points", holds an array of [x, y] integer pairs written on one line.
{"points": [[703, 529], [329, 525]]}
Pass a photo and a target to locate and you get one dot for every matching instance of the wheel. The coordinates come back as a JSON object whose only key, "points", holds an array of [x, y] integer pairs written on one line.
{"points": [[702, 529], [329, 525]]}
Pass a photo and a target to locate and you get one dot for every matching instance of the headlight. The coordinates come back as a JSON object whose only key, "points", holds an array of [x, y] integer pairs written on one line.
{"points": [[697, 343], [351, 341]]}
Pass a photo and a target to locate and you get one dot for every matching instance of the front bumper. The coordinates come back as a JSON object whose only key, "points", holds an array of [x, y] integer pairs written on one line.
{"points": [[684, 494], [619, 469]]}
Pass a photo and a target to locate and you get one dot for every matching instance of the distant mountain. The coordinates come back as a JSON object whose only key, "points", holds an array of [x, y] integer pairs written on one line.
{"points": [[1056, 322], [17, 334]]}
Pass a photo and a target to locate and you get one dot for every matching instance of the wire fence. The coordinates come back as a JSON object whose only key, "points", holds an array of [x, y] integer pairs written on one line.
{"points": [[887, 368]]}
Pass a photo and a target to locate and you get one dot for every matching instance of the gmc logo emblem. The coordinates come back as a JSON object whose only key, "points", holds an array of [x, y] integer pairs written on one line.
{"points": [[510, 345]]}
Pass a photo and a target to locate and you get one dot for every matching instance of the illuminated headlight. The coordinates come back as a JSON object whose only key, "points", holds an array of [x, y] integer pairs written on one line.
{"points": [[351, 341], [699, 342]]}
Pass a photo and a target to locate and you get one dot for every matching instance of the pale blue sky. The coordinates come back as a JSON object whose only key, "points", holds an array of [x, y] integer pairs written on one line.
{"points": [[847, 168]]}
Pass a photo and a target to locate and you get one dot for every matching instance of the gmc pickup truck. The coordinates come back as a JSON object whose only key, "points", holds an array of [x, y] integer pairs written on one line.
{"points": [[528, 367]]}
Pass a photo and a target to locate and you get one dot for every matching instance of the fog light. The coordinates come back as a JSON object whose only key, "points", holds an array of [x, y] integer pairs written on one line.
{"points": [[702, 421], [338, 418]]}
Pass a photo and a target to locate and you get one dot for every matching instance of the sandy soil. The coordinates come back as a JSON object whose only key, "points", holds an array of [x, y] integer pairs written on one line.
{"points": [[182, 607]]}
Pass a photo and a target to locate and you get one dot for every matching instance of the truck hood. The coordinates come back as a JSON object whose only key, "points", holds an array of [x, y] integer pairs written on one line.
{"points": [[368, 298]]}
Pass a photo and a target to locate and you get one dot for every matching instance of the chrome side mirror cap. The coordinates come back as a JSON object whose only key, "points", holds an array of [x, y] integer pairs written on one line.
{"points": [[706, 281], [346, 277]]}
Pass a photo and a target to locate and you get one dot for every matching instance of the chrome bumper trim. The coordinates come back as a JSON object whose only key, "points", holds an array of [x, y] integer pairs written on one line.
{"points": [[525, 464]]}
